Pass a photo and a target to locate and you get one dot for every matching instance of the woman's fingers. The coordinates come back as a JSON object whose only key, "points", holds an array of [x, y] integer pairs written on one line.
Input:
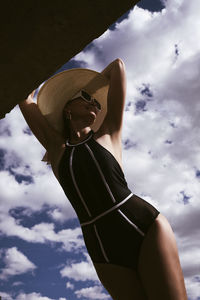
{"points": [[32, 94]]}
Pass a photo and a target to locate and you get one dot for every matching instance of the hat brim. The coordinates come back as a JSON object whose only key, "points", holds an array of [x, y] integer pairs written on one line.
{"points": [[60, 88]]}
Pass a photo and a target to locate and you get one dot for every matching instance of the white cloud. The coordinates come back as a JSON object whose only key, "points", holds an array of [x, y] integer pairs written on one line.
{"points": [[94, 292], [32, 296], [58, 214], [24, 296], [6, 296], [69, 285], [193, 284], [15, 263], [71, 239], [81, 271], [17, 283], [191, 267]]}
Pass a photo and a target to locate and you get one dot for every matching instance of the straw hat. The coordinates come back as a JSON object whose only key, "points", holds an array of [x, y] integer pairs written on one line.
{"points": [[60, 88]]}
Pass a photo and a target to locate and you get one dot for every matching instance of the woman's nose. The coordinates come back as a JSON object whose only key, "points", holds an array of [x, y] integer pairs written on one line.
{"points": [[93, 104]]}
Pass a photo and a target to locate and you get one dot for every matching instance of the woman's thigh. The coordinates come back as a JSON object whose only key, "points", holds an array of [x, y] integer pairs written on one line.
{"points": [[159, 266], [121, 283]]}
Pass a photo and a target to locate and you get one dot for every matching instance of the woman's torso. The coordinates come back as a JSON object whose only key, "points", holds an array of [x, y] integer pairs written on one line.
{"points": [[113, 145], [111, 216], [91, 177]]}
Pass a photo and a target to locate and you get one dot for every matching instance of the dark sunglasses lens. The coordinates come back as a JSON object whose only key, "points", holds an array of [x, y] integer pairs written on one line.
{"points": [[86, 96]]}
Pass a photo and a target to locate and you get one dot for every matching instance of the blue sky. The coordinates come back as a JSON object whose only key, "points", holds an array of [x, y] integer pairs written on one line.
{"points": [[42, 254]]}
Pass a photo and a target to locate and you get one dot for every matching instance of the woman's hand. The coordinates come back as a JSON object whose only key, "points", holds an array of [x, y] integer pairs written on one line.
{"points": [[29, 99]]}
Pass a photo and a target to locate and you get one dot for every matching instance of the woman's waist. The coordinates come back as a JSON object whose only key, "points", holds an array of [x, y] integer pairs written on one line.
{"points": [[93, 218]]}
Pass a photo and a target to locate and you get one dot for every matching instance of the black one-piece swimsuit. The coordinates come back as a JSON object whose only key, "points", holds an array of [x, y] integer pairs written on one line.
{"points": [[114, 221]]}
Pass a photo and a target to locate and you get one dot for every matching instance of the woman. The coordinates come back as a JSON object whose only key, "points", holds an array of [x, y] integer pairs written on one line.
{"points": [[131, 244]]}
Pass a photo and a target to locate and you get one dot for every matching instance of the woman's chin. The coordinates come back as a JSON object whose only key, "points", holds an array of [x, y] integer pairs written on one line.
{"points": [[93, 113]]}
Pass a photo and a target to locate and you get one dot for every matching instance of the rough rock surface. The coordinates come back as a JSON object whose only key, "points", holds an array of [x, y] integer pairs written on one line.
{"points": [[39, 36]]}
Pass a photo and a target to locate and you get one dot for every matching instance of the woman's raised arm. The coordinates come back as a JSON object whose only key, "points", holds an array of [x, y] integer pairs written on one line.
{"points": [[115, 72], [46, 135]]}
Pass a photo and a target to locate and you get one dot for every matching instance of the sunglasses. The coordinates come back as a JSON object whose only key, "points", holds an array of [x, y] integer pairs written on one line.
{"points": [[85, 96]]}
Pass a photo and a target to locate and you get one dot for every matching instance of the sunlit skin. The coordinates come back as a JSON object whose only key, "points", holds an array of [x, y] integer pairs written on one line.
{"points": [[83, 115]]}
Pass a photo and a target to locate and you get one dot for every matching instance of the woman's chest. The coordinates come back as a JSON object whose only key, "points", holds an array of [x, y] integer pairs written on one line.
{"points": [[105, 142]]}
